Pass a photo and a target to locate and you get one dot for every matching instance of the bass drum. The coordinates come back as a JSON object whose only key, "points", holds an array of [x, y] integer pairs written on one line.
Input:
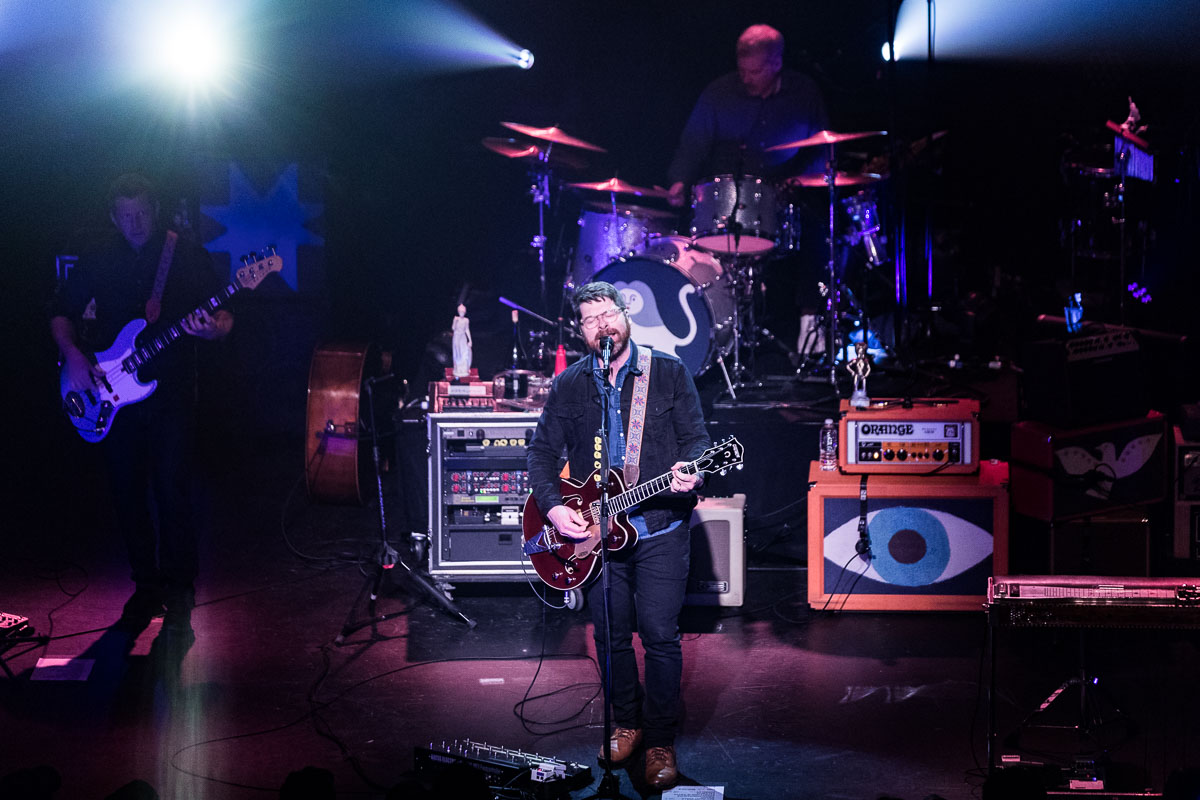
{"points": [[679, 301]]}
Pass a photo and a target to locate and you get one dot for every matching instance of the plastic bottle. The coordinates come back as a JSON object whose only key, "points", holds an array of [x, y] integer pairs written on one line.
{"points": [[829, 446]]}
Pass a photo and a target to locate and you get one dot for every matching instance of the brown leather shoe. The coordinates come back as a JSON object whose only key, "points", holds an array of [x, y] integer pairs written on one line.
{"points": [[624, 743], [661, 772]]}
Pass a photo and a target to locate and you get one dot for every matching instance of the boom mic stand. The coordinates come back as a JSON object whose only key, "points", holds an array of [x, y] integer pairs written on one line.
{"points": [[388, 557], [609, 787]]}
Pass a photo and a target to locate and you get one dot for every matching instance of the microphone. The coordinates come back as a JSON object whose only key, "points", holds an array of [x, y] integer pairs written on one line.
{"points": [[606, 346]]}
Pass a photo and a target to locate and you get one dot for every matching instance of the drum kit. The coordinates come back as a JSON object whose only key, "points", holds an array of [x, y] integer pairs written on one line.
{"points": [[694, 295]]}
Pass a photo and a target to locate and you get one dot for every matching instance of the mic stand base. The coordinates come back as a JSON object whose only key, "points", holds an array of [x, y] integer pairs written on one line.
{"points": [[388, 559]]}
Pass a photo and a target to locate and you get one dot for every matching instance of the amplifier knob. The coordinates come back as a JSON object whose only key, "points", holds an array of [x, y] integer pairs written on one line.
{"points": [[938, 454], [889, 455], [902, 455]]}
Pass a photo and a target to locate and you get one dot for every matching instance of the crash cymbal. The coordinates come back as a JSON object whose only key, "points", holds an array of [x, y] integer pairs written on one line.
{"points": [[826, 137], [817, 180], [621, 187], [511, 148], [555, 135]]}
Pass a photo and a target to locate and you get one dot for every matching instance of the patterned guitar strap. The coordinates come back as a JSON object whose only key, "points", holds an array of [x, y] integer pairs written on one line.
{"points": [[637, 418], [154, 304]]}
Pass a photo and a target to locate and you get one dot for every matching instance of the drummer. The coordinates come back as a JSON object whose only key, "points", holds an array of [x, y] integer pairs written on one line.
{"points": [[742, 113]]}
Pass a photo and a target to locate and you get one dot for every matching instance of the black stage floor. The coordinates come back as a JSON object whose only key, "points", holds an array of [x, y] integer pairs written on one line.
{"points": [[781, 701]]}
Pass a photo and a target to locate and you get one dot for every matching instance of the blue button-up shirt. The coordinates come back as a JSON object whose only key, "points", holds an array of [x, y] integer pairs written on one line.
{"points": [[616, 432]]}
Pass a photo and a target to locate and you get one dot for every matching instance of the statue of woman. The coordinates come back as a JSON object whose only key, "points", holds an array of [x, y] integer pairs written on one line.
{"points": [[461, 340]]}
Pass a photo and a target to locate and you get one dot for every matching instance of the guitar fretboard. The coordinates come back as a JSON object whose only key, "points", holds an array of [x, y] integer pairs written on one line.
{"points": [[643, 491], [140, 357]]}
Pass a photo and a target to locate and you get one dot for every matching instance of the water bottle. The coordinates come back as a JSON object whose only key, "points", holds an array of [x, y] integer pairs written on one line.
{"points": [[829, 446]]}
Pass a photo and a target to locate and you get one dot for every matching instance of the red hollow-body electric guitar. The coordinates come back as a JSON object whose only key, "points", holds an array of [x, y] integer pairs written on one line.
{"points": [[564, 563]]}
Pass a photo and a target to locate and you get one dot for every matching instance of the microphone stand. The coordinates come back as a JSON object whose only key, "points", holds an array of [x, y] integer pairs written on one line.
{"points": [[388, 557], [610, 785]]}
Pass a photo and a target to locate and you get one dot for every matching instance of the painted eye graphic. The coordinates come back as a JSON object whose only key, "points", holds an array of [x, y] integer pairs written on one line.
{"points": [[911, 546]]}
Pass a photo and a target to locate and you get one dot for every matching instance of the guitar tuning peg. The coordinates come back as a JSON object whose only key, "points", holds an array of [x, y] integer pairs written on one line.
{"points": [[269, 249], [739, 466], [246, 259]]}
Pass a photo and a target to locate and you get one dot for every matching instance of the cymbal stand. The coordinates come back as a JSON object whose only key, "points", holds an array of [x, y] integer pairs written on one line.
{"points": [[833, 298], [540, 193]]}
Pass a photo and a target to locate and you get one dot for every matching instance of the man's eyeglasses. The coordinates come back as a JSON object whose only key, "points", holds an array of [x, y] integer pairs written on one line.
{"points": [[593, 322]]}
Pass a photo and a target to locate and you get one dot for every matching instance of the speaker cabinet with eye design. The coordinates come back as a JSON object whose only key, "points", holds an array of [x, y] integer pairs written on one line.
{"points": [[930, 542]]}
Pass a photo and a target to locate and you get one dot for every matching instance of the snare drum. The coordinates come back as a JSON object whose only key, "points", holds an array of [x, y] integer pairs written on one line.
{"points": [[606, 234], [679, 301], [720, 202]]}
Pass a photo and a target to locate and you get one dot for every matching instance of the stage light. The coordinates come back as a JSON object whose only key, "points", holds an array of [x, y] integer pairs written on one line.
{"points": [[191, 50], [524, 59], [887, 51], [1042, 31]]}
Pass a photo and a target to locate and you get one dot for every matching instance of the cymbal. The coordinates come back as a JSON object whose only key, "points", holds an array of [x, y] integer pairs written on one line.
{"points": [[630, 210], [511, 148], [621, 187], [825, 137], [817, 180], [555, 135]]}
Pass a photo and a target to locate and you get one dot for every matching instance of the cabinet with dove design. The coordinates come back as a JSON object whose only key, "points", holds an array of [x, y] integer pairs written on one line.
{"points": [[1060, 474]]}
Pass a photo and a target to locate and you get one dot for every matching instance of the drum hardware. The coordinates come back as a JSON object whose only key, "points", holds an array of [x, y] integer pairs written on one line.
{"points": [[542, 158], [829, 140]]}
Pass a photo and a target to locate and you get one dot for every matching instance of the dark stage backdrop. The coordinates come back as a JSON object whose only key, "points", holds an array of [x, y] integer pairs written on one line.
{"points": [[410, 213]]}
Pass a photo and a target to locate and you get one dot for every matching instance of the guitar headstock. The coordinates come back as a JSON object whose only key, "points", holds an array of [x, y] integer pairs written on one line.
{"points": [[721, 457], [253, 273]]}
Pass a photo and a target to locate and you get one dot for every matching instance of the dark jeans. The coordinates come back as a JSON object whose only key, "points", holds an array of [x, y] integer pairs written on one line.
{"points": [[648, 584], [149, 454]]}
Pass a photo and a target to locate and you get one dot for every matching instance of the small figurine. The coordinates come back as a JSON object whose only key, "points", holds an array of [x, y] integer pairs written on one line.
{"points": [[860, 368], [461, 341]]}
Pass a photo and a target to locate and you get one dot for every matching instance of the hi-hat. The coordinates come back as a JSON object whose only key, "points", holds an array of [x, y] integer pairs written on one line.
{"points": [[511, 148], [820, 179], [621, 187], [553, 134], [825, 137]]}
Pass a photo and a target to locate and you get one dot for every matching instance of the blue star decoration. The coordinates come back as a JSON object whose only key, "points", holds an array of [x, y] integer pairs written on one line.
{"points": [[252, 221]]}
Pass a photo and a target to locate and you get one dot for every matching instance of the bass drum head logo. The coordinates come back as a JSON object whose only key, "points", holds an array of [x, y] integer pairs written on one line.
{"points": [[665, 310]]}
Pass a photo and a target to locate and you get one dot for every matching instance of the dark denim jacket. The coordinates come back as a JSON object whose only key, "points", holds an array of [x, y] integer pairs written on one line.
{"points": [[674, 432]]}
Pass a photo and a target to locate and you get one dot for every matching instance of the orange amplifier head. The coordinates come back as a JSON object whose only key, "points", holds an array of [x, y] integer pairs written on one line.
{"points": [[935, 436]]}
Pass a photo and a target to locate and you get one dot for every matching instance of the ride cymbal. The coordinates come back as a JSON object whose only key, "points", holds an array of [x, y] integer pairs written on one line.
{"points": [[819, 180], [511, 148], [553, 134], [621, 187], [825, 137]]}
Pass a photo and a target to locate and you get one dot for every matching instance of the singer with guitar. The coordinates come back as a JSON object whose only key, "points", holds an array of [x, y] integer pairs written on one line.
{"points": [[143, 271], [654, 428]]}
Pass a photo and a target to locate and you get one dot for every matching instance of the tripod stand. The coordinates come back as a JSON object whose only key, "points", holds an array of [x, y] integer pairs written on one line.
{"points": [[387, 559]]}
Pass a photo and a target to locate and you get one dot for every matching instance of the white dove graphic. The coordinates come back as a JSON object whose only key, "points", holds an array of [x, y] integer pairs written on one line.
{"points": [[1109, 467]]}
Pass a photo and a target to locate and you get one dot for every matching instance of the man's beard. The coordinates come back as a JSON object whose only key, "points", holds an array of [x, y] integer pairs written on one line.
{"points": [[620, 342]]}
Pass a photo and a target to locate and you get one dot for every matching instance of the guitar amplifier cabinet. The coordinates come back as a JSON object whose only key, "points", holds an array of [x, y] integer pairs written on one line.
{"points": [[718, 562], [934, 540], [1186, 480], [1060, 474], [477, 487], [1084, 380]]}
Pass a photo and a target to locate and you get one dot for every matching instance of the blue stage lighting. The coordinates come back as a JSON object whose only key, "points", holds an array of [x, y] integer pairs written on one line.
{"points": [[524, 59]]}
